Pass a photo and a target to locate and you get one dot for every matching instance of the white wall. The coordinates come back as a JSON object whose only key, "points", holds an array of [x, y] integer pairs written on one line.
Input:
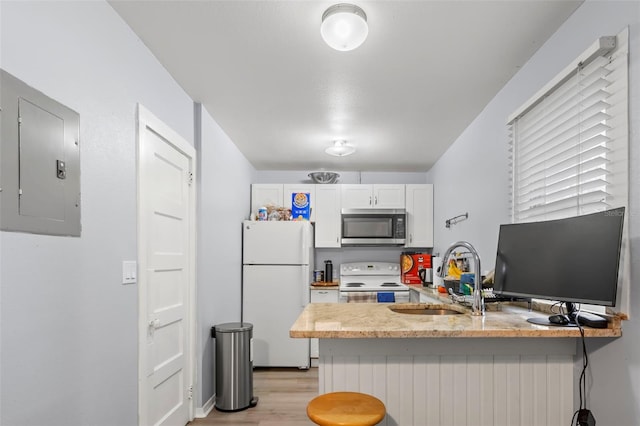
{"points": [[472, 177], [224, 196], [68, 325]]}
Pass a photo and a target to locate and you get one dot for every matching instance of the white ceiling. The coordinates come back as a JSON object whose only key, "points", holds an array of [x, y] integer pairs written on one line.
{"points": [[262, 71]]}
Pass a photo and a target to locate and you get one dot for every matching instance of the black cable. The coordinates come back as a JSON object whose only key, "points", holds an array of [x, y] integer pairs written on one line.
{"points": [[582, 382], [555, 305]]}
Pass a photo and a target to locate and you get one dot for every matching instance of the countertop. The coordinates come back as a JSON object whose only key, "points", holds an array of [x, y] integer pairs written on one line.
{"points": [[376, 320]]}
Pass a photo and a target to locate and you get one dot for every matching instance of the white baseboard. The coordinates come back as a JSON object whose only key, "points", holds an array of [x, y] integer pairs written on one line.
{"points": [[206, 408]]}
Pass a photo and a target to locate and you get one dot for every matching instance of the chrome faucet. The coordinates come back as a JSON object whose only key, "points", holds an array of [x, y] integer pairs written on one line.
{"points": [[477, 306]]}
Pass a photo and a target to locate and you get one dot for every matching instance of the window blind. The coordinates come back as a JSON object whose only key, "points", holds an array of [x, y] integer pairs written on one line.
{"points": [[569, 148]]}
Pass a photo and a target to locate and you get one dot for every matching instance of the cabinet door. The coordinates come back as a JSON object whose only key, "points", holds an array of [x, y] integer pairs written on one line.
{"points": [[289, 189], [419, 205], [263, 194], [321, 296], [356, 196], [324, 296], [327, 215], [388, 196]]}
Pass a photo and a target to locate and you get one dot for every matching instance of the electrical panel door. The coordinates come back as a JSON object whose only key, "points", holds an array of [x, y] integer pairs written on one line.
{"points": [[40, 158]]}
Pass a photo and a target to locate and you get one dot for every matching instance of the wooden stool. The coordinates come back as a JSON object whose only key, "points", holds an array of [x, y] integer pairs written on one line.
{"points": [[346, 409]]}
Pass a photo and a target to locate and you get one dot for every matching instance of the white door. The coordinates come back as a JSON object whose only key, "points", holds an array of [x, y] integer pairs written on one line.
{"points": [[166, 253]]}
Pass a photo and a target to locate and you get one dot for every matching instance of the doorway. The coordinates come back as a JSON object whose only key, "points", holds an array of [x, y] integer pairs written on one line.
{"points": [[166, 274]]}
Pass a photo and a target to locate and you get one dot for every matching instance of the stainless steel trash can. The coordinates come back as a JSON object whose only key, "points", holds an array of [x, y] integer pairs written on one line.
{"points": [[234, 366]]}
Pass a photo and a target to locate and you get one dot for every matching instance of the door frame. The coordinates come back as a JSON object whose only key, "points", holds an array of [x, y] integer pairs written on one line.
{"points": [[146, 120]]}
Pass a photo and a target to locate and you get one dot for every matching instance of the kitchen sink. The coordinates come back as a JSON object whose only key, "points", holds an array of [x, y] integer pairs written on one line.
{"points": [[425, 309]]}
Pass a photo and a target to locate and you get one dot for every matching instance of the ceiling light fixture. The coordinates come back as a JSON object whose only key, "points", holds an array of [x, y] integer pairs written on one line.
{"points": [[340, 148], [344, 26]]}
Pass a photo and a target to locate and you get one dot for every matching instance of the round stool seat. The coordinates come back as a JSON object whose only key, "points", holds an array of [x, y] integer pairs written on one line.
{"points": [[345, 409]]}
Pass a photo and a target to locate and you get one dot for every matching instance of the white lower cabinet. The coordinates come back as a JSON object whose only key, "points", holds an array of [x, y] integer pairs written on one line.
{"points": [[321, 296]]}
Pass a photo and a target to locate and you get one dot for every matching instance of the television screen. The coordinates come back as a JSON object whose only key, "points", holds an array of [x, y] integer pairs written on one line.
{"points": [[570, 260]]}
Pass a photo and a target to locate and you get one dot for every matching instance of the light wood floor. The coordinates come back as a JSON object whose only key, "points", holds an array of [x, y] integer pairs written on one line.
{"points": [[283, 396]]}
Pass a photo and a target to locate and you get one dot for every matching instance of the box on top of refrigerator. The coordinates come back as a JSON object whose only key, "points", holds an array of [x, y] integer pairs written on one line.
{"points": [[300, 206], [416, 268]]}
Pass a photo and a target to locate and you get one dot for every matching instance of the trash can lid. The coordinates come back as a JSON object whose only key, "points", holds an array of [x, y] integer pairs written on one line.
{"points": [[231, 327]]}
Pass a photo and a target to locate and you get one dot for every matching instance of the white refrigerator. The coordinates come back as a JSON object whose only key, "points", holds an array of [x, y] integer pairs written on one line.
{"points": [[277, 270]]}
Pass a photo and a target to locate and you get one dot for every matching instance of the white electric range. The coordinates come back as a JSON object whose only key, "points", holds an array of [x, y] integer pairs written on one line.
{"points": [[371, 282]]}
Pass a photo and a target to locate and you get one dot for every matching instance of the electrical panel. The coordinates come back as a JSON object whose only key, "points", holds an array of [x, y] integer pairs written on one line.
{"points": [[40, 162]]}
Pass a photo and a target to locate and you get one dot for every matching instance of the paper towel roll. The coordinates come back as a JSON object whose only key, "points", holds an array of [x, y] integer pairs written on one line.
{"points": [[437, 265]]}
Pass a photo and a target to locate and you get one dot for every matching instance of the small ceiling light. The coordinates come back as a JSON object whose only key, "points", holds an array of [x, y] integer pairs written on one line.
{"points": [[340, 148], [344, 26]]}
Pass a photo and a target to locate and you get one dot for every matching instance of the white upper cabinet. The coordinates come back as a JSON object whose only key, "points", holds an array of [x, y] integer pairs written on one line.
{"points": [[389, 196], [327, 201], [327, 216], [263, 194], [289, 189], [419, 206], [382, 196], [277, 194]]}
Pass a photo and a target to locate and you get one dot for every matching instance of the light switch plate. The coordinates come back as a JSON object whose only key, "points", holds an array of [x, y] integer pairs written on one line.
{"points": [[129, 272]]}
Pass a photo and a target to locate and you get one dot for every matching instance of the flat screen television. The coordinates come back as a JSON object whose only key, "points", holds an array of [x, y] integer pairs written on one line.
{"points": [[572, 260]]}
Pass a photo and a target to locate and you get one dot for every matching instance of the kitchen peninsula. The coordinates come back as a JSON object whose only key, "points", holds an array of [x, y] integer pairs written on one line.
{"points": [[449, 369]]}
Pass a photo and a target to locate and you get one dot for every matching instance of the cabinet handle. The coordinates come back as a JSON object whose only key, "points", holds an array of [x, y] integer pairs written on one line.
{"points": [[376, 200], [369, 199]]}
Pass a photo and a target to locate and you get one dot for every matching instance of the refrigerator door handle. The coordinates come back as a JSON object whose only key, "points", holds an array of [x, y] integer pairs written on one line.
{"points": [[305, 287], [305, 245]]}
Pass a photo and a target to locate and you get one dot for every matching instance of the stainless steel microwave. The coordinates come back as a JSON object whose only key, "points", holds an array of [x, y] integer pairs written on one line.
{"points": [[373, 227]]}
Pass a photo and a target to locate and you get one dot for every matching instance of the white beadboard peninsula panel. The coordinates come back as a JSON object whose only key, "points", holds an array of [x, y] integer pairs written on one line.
{"points": [[458, 382]]}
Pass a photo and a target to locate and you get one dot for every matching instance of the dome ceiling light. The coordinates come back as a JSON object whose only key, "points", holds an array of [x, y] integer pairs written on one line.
{"points": [[344, 26], [340, 148]]}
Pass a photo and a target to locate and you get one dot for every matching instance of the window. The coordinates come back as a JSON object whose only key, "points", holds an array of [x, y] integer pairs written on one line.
{"points": [[569, 144]]}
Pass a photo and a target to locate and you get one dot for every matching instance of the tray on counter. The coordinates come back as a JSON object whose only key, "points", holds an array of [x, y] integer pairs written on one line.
{"points": [[325, 284]]}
